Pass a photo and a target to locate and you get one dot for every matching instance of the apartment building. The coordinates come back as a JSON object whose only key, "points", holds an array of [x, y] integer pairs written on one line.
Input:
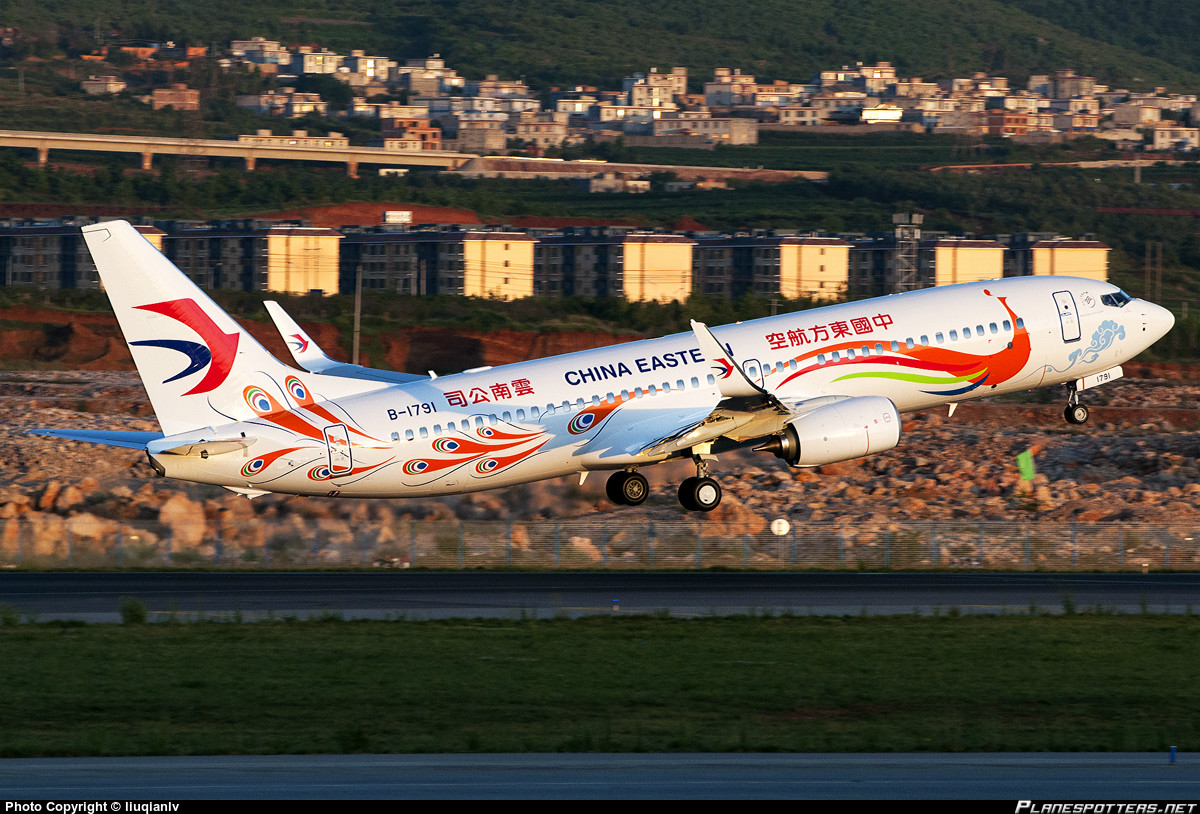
{"points": [[51, 255], [454, 261], [607, 262], [244, 255], [771, 264]]}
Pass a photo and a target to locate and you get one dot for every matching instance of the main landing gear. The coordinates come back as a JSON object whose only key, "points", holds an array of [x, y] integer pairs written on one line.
{"points": [[701, 493], [1077, 411], [627, 488], [698, 494]]}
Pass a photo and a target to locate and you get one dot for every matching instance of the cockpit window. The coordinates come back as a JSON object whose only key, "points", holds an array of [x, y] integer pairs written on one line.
{"points": [[1118, 300]]}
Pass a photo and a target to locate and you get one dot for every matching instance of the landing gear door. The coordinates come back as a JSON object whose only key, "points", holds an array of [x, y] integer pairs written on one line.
{"points": [[1068, 316], [337, 440]]}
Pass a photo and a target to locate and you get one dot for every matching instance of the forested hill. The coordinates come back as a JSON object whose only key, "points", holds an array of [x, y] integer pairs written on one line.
{"points": [[1131, 43]]}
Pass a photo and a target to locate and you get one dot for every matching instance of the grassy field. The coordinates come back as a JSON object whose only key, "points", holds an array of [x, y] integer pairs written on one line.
{"points": [[1006, 683]]}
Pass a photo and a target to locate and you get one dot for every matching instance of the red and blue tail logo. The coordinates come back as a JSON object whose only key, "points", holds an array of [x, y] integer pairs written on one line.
{"points": [[216, 351]]}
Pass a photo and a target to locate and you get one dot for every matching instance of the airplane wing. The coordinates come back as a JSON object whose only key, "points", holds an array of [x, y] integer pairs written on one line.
{"points": [[112, 438], [310, 357], [746, 409]]}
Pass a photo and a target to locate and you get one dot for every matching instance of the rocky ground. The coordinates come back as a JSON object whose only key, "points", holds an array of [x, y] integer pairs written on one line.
{"points": [[1137, 460]]}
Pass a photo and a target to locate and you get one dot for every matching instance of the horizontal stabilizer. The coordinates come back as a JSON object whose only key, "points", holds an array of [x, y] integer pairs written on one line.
{"points": [[201, 443], [309, 355], [112, 438]]}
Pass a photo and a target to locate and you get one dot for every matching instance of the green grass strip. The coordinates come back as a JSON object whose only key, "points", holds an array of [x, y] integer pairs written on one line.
{"points": [[951, 683]]}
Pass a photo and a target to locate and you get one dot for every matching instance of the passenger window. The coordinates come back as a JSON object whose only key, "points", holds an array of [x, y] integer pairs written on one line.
{"points": [[979, 330], [695, 382], [408, 435], [437, 429], [939, 337], [507, 415], [534, 414], [924, 340], [395, 436], [1007, 325], [954, 336], [424, 432], [520, 414], [966, 333], [994, 328]]}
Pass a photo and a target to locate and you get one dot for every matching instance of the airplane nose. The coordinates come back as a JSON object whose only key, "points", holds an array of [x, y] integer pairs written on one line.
{"points": [[1158, 321]]}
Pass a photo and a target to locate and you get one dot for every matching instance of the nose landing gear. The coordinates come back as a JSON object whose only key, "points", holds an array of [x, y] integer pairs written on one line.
{"points": [[1076, 411]]}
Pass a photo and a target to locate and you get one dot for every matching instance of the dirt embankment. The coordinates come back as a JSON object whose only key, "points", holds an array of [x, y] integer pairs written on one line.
{"points": [[89, 341]]}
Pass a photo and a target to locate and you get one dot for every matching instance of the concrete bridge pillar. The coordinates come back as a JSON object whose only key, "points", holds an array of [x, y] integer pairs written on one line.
{"points": [[351, 168], [250, 162], [147, 159], [43, 155]]}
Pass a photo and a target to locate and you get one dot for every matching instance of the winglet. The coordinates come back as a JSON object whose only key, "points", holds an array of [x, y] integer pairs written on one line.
{"points": [[731, 379], [305, 351], [309, 355]]}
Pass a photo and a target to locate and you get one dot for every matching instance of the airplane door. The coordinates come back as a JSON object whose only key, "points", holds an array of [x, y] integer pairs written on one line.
{"points": [[337, 441], [1068, 316]]}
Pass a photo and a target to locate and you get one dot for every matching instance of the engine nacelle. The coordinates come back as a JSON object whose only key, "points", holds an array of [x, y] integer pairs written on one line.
{"points": [[846, 429]]}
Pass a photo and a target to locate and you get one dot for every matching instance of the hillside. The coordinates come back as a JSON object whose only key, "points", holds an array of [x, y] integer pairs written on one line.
{"points": [[599, 41]]}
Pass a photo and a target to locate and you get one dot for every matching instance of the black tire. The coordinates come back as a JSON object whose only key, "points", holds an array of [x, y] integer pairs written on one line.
{"points": [[634, 489], [700, 494], [686, 490], [615, 487], [1076, 414]]}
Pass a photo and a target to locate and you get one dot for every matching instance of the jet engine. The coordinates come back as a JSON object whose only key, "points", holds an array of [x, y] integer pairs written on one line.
{"points": [[850, 428]]}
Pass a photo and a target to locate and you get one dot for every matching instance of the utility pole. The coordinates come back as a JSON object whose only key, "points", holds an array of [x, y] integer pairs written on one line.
{"points": [[357, 311]]}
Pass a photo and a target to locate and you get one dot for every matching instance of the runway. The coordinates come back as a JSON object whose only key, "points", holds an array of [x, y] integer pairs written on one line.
{"points": [[1078, 776], [96, 597]]}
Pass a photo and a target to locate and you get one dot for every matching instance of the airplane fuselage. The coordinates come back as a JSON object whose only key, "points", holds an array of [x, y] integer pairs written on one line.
{"points": [[604, 408]]}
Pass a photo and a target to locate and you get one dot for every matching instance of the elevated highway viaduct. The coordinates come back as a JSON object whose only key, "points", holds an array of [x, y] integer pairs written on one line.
{"points": [[149, 146]]}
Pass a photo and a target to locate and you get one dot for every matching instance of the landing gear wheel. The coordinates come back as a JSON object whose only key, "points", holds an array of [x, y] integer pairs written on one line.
{"points": [[700, 494], [627, 488], [1076, 413]]}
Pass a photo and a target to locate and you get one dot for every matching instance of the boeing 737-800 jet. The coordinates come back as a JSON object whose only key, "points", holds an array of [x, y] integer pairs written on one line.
{"points": [[812, 387]]}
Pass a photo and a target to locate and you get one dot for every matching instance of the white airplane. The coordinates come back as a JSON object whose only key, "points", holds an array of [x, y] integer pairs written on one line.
{"points": [[813, 387]]}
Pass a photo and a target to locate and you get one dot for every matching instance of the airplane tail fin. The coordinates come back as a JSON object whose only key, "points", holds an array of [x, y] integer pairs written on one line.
{"points": [[196, 362]]}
